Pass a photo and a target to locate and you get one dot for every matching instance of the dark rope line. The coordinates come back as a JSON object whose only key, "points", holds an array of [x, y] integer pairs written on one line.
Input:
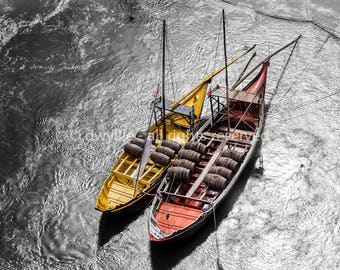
{"points": [[218, 262], [173, 47], [172, 81], [329, 31], [322, 27], [159, 70], [282, 73], [298, 78], [218, 42], [314, 101], [306, 104]]}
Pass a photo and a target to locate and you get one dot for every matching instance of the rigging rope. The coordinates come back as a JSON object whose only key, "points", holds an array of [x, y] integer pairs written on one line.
{"points": [[299, 76], [170, 63], [282, 73], [217, 43], [212, 51]]}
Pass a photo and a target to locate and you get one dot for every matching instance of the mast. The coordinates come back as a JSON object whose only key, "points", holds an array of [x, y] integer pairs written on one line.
{"points": [[226, 69], [163, 83]]}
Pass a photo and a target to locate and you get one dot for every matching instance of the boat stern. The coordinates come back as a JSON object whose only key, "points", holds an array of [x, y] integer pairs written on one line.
{"points": [[170, 220]]}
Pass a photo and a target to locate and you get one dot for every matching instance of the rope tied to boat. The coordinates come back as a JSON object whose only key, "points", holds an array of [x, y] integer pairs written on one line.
{"points": [[283, 72], [306, 104], [331, 32], [218, 263]]}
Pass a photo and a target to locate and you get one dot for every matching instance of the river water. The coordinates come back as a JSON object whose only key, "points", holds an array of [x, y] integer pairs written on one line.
{"points": [[76, 80]]}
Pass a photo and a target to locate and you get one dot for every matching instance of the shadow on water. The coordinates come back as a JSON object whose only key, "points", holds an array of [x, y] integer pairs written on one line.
{"points": [[111, 224], [167, 255]]}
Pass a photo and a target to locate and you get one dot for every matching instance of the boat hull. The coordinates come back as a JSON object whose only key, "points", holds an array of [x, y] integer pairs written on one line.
{"points": [[247, 166], [138, 203], [224, 147]]}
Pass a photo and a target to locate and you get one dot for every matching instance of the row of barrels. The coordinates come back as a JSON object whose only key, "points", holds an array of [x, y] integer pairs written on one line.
{"points": [[161, 155], [225, 167], [187, 160], [165, 153], [218, 175], [136, 145]]}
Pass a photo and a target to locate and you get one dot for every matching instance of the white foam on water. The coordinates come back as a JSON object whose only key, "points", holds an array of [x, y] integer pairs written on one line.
{"points": [[10, 27]]}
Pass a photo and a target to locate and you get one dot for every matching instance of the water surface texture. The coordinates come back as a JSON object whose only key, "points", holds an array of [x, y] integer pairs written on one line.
{"points": [[76, 81]]}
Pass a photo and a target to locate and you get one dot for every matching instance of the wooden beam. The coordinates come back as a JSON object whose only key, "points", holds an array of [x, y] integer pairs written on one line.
{"points": [[185, 197], [199, 180]]}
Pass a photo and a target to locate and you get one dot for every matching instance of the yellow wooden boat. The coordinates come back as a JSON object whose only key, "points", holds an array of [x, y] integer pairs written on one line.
{"points": [[131, 180]]}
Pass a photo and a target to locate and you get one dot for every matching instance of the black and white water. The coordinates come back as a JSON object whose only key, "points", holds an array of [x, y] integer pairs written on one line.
{"points": [[76, 80]]}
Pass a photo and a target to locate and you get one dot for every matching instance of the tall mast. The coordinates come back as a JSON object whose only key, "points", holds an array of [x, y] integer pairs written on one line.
{"points": [[226, 70], [163, 83]]}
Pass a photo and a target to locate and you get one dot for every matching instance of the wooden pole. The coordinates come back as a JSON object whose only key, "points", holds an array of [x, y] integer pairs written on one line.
{"points": [[226, 69], [211, 108], [244, 70], [266, 60], [163, 84]]}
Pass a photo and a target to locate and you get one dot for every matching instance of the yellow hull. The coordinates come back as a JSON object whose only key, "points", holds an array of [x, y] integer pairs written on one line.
{"points": [[118, 191]]}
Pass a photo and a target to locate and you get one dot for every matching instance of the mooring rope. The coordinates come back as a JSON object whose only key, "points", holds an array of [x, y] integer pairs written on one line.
{"points": [[314, 101], [218, 37], [307, 104], [279, 17], [218, 263]]}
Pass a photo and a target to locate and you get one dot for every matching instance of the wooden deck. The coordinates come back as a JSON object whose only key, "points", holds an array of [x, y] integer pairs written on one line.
{"points": [[172, 217], [237, 95]]}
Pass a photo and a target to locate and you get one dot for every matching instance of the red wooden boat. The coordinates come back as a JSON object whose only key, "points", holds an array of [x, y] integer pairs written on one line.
{"points": [[209, 165]]}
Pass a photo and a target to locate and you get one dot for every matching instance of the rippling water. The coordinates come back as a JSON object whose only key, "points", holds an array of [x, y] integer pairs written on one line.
{"points": [[76, 80]]}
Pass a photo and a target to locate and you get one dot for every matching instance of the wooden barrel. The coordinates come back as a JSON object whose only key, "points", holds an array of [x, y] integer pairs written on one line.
{"points": [[215, 181], [139, 141], [141, 134], [184, 163], [232, 153], [133, 150], [226, 173], [196, 146], [227, 163], [171, 144], [166, 151], [190, 155], [178, 173], [160, 158]]}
